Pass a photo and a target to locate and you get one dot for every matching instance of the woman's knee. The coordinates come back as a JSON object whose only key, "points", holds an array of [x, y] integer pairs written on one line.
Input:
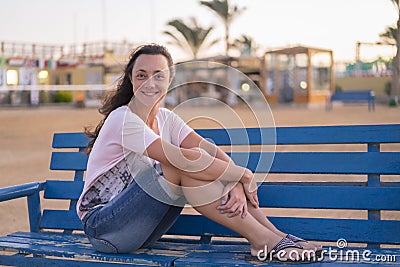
{"points": [[102, 245], [106, 246], [200, 193], [172, 174]]}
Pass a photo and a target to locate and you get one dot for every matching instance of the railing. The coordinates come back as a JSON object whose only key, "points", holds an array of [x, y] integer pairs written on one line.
{"points": [[57, 51], [89, 95], [75, 87]]}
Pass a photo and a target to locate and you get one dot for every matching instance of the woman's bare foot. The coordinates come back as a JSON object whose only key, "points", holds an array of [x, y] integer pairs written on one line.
{"points": [[285, 250]]}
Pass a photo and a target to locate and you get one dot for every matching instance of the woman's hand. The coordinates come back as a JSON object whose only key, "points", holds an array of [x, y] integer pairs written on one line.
{"points": [[234, 203], [250, 189]]}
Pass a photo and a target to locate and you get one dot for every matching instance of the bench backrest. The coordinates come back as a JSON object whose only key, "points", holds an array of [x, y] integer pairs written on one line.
{"points": [[371, 197]]}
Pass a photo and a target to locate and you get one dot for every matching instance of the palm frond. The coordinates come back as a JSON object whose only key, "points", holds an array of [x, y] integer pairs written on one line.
{"points": [[389, 36], [189, 36], [226, 13], [176, 40], [220, 7]]}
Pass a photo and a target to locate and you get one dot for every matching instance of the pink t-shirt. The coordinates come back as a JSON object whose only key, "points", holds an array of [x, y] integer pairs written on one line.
{"points": [[125, 134]]}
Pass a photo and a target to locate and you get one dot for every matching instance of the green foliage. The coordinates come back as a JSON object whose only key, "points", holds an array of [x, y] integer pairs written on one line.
{"points": [[224, 10], [44, 97], [245, 44], [389, 36], [189, 35], [63, 97], [227, 13]]}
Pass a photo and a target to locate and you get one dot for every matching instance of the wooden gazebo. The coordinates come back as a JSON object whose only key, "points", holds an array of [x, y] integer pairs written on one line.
{"points": [[297, 75]]}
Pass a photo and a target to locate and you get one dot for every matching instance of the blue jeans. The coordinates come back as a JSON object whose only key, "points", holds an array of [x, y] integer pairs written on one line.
{"points": [[132, 220]]}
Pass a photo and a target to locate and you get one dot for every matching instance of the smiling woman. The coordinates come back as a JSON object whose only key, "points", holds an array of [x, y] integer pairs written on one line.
{"points": [[150, 80], [146, 163]]}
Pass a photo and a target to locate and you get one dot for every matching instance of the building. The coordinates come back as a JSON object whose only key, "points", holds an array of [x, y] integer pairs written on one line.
{"points": [[299, 74], [35, 73]]}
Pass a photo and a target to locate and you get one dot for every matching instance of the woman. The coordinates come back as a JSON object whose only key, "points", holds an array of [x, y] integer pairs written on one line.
{"points": [[145, 163]]}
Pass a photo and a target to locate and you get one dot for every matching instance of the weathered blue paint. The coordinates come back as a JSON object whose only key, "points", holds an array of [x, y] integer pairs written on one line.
{"points": [[197, 247]]}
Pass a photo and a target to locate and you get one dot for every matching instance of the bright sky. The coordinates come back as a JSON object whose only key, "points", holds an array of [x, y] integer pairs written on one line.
{"points": [[334, 24]]}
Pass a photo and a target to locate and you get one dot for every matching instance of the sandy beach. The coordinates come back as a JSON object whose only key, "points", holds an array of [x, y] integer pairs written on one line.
{"points": [[26, 135]]}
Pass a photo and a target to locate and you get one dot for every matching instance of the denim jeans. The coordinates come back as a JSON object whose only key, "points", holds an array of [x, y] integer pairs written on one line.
{"points": [[132, 220]]}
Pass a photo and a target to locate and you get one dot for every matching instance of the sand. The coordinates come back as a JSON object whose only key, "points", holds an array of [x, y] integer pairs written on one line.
{"points": [[26, 135]]}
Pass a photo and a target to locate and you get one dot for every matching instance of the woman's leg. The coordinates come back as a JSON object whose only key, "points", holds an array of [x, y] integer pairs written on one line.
{"points": [[131, 220], [258, 235], [166, 222], [256, 212], [260, 217]]}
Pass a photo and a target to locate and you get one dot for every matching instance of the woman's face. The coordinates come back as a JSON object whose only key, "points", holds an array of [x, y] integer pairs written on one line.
{"points": [[150, 78]]}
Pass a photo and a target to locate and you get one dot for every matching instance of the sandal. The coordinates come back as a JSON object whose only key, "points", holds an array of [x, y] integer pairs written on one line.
{"points": [[283, 244], [296, 239]]}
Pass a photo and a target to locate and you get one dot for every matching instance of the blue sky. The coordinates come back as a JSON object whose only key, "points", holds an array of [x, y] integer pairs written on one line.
{"points": [[335, 25]]}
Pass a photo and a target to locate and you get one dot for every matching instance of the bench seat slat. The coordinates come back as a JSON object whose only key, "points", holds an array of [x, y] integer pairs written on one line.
{"points": [[44, 241], [81, 239], [19, 260], [233, 254], [231, 258], [53, 236], [84, 253], [81, 243], [321, 229]]}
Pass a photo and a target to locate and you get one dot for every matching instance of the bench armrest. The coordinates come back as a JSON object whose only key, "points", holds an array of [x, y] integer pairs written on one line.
{"points": [[18, 191], [31, 192]]}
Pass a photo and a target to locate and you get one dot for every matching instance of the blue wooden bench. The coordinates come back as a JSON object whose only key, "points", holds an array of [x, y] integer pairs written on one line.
{"points": [[55, 237], [356, 96]]}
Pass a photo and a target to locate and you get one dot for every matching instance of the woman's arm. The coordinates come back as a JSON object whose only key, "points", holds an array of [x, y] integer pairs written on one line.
{"points": [[195, 140], [196, 163]]}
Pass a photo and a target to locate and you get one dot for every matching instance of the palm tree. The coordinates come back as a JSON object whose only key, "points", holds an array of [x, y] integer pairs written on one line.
{"points": [[245, 44], [389, 36], [189, 36], [227, 13], [394, 35]]}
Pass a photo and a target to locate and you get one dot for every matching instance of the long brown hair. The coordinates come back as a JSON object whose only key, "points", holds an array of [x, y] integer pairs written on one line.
{"points": [[124, 91]]}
